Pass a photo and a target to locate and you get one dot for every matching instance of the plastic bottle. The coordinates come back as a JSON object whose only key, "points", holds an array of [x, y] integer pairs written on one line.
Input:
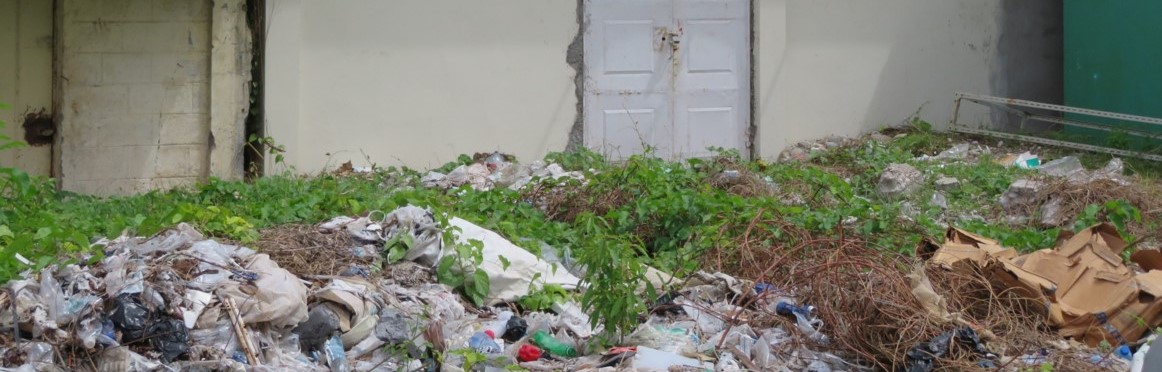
{"points": [[482, 342], [1124, 352], [499, 325], [804, 318], [335, 356], [552, 345]]}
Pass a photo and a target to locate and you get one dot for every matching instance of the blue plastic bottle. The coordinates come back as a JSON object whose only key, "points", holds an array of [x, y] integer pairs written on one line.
{"points": [[483, 343]]}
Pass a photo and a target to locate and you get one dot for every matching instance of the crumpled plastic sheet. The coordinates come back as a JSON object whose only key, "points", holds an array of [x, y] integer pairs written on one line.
{"points": [[121, 359], [216, 262], [278, 297], [419, 222], [168, 241], [668, 338]]}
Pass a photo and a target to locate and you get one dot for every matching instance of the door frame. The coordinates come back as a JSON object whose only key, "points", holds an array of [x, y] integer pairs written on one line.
{"points": [[577, 57]]}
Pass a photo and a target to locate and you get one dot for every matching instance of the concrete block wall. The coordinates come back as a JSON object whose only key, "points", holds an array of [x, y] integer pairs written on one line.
{"points": [[25, 78], [134, 94]]}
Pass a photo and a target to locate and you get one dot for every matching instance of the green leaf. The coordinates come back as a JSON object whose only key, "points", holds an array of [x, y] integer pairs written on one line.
{"points": [[5, 231], [42, 233], [43, 262], [480, 284], [504, 263], [395, 253], [445, 274]]}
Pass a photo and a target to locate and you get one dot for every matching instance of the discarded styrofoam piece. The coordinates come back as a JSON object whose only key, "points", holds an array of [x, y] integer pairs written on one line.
{"points": [[512, 282], [650, 359], [198, 301]]}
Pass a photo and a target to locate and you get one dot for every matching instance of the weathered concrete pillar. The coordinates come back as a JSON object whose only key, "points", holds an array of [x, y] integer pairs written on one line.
{"points": [[230, 59]]}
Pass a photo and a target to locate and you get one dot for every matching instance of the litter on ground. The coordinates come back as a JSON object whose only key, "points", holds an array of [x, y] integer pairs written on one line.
{"points": [[418, 288]]}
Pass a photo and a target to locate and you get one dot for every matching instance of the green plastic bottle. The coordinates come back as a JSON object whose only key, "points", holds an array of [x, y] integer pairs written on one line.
{"points": [[554, 347]]}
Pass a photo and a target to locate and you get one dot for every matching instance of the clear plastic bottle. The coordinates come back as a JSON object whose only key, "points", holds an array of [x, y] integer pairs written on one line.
{"points": [[499, 325]]}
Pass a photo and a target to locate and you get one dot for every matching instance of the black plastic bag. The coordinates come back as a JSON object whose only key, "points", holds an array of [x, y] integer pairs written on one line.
{"points": [[170, 337], [515, 329], [130, 317], [922, 357]]}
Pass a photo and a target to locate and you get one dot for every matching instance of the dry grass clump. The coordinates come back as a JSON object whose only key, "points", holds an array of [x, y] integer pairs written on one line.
{"points": [[303, 250], [564, 202]]}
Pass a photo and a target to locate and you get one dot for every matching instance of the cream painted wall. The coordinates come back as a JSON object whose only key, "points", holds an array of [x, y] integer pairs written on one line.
{"points": [[842, 67], [417, 82]]}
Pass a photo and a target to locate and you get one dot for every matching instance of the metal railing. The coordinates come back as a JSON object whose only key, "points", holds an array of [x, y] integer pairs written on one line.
{"points": [[1021, 109]]}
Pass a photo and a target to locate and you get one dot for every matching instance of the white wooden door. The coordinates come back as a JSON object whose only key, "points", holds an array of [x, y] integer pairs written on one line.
{"points": [[670, 74]]}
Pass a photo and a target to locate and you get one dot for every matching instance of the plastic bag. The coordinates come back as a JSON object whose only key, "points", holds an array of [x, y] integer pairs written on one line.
{"points": [[572, 318], [668, 339], [131, 317], [170, 337], [181, 236], [38, 354], [221, 334], [51, 297], [707, 323]]}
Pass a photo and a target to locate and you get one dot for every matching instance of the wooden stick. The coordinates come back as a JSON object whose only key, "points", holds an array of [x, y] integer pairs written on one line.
{"points": [[240, 330], [743, 358]]}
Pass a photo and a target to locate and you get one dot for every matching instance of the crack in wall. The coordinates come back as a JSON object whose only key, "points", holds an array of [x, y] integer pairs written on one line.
{"points": [[575, 57]]}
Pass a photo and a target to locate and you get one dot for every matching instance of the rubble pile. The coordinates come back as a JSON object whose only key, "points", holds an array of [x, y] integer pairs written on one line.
{"points": [[179, 301], [372, 292], [498, 170]]}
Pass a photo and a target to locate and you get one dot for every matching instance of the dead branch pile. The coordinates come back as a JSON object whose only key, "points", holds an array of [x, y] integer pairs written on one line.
{"points": [[866, 300]]}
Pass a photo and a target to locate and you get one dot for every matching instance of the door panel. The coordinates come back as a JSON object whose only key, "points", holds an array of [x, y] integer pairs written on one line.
{"points": [[674, 75], [712, 85], [620, 130], [628, 77], [25, 78]]}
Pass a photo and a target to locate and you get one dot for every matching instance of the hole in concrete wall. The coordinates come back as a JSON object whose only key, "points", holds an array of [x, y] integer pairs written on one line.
{"points": [[39, 128]]}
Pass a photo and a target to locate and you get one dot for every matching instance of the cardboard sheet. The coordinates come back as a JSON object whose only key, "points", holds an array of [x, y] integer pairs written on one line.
{"points": [[1089, 293]]}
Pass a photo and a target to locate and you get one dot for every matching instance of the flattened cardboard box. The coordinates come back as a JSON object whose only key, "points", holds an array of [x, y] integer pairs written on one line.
{"points": [[1087, 291]]}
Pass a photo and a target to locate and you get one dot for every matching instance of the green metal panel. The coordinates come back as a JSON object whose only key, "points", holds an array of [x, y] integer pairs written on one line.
{"points": [[1113, 61]]}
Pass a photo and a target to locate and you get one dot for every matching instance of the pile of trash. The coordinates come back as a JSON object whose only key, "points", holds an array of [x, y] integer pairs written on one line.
{"points": [[180, 301], [497, 170]]}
